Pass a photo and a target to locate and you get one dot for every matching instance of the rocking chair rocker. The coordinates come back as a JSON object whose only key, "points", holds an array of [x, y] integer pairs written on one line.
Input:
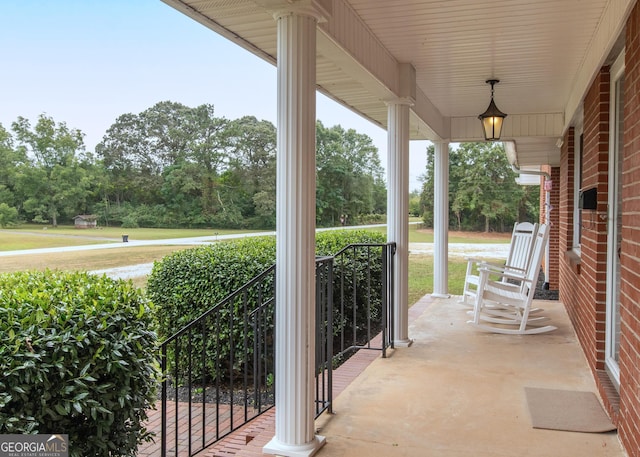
{"points": [[504, 306]]}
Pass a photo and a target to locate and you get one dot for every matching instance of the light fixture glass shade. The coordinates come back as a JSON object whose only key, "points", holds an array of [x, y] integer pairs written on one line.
{"points": [[492, 119]]}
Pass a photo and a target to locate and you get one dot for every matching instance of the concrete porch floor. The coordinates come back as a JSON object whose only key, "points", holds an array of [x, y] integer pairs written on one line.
{"points": [[455, 392], [459, 392]]}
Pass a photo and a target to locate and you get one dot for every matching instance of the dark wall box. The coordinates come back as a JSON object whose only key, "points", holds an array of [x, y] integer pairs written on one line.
{"points": [[588, 199]]}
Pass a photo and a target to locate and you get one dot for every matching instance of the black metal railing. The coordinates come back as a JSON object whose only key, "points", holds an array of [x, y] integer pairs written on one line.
{"points": [[363, 299], [219, 369], [324, 342]]}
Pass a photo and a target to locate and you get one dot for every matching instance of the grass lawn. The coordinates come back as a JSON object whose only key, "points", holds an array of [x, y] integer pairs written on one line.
{"points": [[98, 259], [36, 236], [14, 241], [421, 276], [419, 235], [420, 265]]}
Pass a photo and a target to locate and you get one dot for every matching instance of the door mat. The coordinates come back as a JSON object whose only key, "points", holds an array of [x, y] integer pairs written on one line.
{"points": [[567, 410]]}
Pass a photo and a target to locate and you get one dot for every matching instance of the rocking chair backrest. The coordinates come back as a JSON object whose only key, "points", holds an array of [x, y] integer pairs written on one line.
{"points": [[501, 304], [538, 249], [521, 245], [517, 261]]}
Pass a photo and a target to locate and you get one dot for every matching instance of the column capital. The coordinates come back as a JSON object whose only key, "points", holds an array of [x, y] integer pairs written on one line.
{"points": [[320, 10], [399, 101]]}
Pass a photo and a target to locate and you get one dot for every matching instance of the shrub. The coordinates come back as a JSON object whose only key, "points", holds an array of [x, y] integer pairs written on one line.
{"points": [[8, 215], [363, 219], [77, 356], [129, 222], [332, 241], [187, 283]]}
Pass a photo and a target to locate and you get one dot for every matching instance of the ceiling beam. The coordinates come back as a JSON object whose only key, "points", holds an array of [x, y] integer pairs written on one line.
{"points": [[349, 43], [550, 125]]}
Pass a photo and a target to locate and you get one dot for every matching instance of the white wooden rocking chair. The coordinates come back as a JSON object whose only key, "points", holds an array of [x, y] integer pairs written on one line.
{"points": [[514, 314], [517, 260]]}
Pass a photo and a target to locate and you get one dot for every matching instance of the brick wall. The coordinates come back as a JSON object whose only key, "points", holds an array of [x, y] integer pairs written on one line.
{"points": [[629, 422], [594, 227], [572, 294], [583, 278]]}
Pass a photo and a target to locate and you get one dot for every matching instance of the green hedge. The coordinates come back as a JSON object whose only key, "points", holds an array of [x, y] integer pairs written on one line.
{"points": [[358, 272], [187, 283], [332, 241], [77, 357]]}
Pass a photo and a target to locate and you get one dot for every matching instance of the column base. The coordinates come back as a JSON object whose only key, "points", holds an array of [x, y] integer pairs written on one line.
{"points": [[403, 343], [275, 447], [440, 295]]}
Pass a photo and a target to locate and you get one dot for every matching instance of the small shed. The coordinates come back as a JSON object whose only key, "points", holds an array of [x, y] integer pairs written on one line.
{"points": [[84, 221]]}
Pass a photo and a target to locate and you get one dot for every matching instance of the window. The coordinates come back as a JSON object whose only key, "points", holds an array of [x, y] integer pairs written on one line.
{"points": [[614, 221]]}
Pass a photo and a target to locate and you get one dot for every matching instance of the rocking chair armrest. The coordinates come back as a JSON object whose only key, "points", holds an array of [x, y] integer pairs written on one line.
{"points": [[481, 261], [500, 267], [506, 274]]}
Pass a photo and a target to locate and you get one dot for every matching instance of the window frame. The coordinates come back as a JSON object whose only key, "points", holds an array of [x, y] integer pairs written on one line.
{"points": [[578, 149]]}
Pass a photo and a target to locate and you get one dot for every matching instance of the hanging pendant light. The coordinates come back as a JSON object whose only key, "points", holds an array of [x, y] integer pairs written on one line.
{"points": [[492, 118]]}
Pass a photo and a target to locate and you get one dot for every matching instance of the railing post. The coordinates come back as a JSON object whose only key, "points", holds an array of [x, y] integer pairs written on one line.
{"points": [[392, 303], [163, 419], [385, 298], [330, 334], [189, 387], [176, 383]]}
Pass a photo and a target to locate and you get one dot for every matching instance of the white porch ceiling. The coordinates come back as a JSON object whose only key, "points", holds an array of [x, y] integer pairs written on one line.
{"points": [[544, 52]]}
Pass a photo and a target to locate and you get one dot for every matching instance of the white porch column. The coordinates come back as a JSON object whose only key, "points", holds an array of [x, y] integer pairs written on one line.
{"points": [[441, 221], [295, 228], [398, 212]]}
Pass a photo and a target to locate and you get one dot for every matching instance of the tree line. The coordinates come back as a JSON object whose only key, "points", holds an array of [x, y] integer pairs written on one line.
{"points": [[177, 166], [483, 194]]}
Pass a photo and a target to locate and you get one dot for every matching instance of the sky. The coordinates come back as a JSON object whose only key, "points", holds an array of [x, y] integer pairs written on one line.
{"points": [[86, 62]]}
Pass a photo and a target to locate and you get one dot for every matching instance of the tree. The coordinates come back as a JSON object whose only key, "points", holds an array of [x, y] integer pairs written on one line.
{"points": [[427, 195], [488, 187], [10, 160], [176, 166], [483, 194], [8, 215], [52, 182], [252, 156], [414, 204], [168, 157], [349, 176]]}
